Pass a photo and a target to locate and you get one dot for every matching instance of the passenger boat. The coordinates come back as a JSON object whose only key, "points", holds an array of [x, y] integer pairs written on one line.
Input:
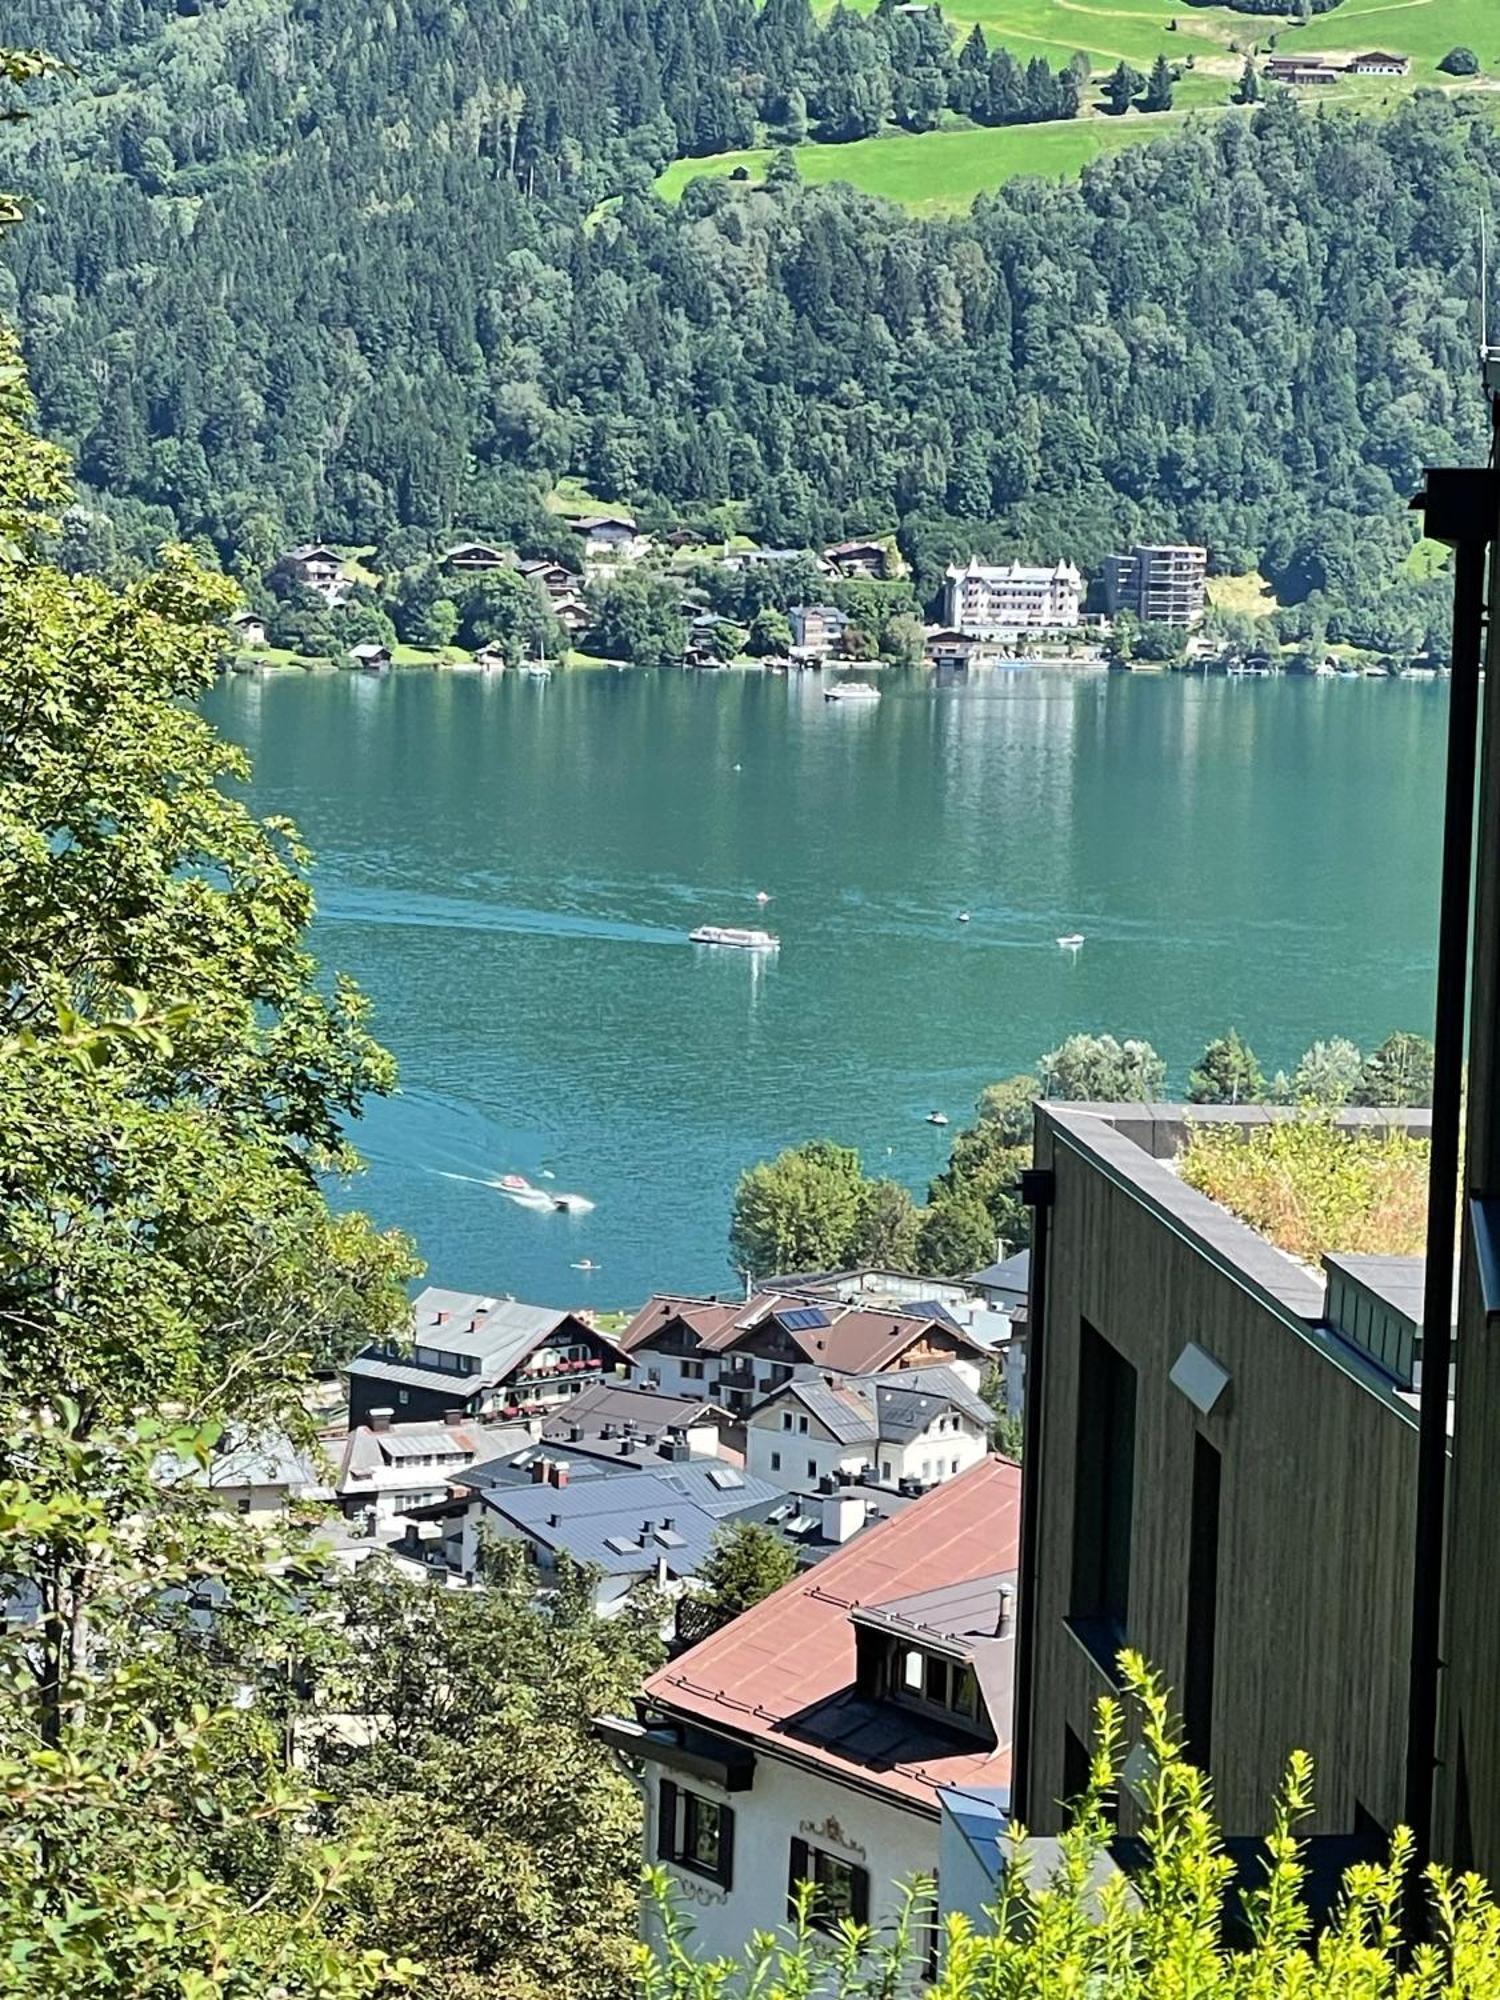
{"points": [[1072, 941], [852, 691], [741, 940]]}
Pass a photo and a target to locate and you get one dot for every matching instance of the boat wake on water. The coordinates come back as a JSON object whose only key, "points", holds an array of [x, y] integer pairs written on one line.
{"points": [[516, 1188]]}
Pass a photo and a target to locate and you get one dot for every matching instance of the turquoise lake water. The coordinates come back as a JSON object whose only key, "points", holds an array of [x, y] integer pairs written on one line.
{"points": [[510, 869]]}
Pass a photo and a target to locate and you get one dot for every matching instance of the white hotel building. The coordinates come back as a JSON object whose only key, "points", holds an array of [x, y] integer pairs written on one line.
{"points": [[987, 600]]}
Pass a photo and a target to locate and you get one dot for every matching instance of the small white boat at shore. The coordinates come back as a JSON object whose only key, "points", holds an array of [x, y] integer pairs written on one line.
{"points": [[852, 691], [739, 940], [538, 670], [1072, 942]]}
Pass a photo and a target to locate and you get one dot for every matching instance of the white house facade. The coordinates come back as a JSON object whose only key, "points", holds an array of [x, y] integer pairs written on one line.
{"points": [[816, 1738], [987, 599]]}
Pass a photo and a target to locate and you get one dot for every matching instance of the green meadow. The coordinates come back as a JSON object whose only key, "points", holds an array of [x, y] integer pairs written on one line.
{"points": [[944, 170]]}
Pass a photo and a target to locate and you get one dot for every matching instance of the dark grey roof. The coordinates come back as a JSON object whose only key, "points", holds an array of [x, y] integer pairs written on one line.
{"points": [[1012, 1275], [909, 1400], [614, 1403], [604, 1521], [838, 1407], [376, 1368], [1399, 1282]]}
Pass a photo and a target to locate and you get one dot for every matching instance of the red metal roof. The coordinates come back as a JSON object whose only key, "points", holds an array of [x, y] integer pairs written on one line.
{"points": [[782, 1674]]}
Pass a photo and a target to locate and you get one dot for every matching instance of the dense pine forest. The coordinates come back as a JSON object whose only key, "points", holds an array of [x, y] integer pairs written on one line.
{"points": [[379, 271]]}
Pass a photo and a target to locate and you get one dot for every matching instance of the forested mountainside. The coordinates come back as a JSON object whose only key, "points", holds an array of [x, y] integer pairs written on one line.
{"points": [[327, 267]]}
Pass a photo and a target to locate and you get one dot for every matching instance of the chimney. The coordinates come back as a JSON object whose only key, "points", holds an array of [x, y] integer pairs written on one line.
{"points": [[575, 1433], [438, 1318], [557, 1472], [646, 1530], [1007, 1600], [380, 1420], [453, 1416], [666, 1521], [843, 1516], [541, 1469]]}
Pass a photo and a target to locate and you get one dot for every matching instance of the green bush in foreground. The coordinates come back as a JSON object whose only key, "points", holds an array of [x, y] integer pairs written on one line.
{"points": [[1159, 1935]]}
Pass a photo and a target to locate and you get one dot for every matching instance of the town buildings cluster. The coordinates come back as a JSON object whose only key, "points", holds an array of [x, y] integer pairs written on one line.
{"points": [[987, 610]]}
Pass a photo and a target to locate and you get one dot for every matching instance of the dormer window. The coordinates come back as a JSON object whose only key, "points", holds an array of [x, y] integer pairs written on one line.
{"points": [[933, 1682]]}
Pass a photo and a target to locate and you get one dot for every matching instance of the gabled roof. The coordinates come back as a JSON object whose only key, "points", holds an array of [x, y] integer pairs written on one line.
{"points": [[782, 1675], [377, 1459], [907, 1403], [891, 1408], [850, 1338], [586, 523], [497, 1334], [614, 1403]]}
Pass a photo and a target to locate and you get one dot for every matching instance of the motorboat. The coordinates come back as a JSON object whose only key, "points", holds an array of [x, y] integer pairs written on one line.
{"points": [[1072, 941], [760, 894], [937, 1117], [852, 691], [518, 1188], [741, 940], [963, 916], [537, 670]]}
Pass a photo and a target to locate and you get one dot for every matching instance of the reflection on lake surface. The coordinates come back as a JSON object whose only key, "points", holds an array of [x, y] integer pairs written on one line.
{"points": [[511, 869]]}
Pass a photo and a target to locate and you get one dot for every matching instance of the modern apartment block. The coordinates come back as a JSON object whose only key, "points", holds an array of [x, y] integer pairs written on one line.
{"points": [[1160, 584], [1220, 1473], [987, 600]]}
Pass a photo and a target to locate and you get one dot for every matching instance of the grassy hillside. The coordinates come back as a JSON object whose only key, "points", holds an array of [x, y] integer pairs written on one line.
{"points": [[936, 171]]}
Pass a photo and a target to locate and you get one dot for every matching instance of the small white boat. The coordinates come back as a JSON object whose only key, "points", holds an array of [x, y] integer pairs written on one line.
{"points": [[1072, 942], [937, 1117], [585, 1264], [760, 894], [852, 691], [963, 916], [741, 940], [537, 670]]}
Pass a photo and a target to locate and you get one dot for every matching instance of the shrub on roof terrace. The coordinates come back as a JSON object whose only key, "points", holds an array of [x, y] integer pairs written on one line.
{"points": [[1164, 1934], [1310, 1187]]}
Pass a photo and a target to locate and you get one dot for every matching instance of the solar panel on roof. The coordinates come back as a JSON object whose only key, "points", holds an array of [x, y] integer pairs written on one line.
{"points": [[725, 1477], [802, 1318]]}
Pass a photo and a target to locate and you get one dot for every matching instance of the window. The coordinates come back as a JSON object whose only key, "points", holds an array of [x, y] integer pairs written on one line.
{"points": [[933, 1681], [812, 1468], [1202, 1604], [802, 1425], [786, 1420], [885, 1470], [840, 1888], [953, 1468], [403, 1396], [696, 1833], [1103, 1495], [692, 1371], [776, 1461]]}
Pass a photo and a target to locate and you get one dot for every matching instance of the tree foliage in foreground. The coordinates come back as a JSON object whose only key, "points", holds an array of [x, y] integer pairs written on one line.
{"points": [[494, 1836], [172, 1084], [1163, 1933]]}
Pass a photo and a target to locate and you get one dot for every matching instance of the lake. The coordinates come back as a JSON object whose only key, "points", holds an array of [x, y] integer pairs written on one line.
{"points": [[510, 869]]}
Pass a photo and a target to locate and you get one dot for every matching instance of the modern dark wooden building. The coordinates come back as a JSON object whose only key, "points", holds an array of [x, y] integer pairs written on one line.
{"points": [[1220, 1473]]}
